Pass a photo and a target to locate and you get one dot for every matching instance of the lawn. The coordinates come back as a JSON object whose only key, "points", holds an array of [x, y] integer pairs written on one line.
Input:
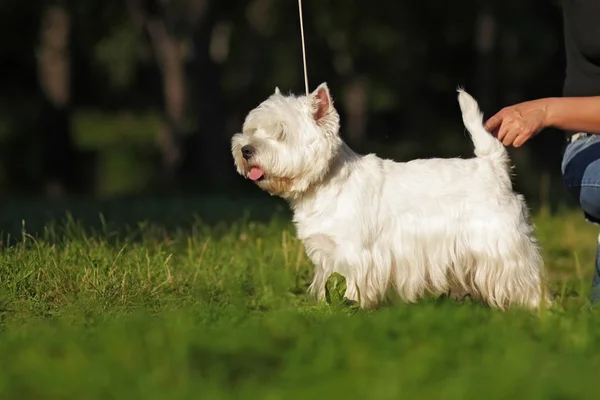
{"points": [[205, 299]]}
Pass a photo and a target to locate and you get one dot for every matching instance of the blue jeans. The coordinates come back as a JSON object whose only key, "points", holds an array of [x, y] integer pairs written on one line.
{"points": [[581, 176]]}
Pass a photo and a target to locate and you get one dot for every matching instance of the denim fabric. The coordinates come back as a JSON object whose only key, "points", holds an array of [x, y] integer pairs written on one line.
{"points": [[581, 176]]}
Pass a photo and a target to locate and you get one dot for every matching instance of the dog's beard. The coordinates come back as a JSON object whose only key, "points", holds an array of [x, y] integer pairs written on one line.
{"points": [[276, 186]]}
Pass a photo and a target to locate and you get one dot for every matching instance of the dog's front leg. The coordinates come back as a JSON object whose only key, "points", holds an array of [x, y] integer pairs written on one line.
{"points": [[317, 286], [320, 249]]}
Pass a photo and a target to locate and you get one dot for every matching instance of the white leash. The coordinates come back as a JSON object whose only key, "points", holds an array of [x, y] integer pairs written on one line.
{"points": [[303, 47]]}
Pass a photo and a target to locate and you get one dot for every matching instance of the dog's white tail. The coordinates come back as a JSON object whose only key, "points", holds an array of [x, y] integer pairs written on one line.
{"points": [[486, 145]]}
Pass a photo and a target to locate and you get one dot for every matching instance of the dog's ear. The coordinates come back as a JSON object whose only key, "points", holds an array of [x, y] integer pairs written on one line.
{"points": [[277, 90], [322, 101]]}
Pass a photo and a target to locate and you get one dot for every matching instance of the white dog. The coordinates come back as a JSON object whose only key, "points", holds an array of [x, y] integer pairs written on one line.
{"points": [[417, 227]]}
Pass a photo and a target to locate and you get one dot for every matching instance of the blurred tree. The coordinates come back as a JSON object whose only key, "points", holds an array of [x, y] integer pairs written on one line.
{"points": [[485, 45], [207, 155], [53, 59], [160, 19], [200, 65]]}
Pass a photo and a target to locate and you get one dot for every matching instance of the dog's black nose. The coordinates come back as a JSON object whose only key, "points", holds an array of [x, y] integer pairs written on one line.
{"points": [[247, 151]]}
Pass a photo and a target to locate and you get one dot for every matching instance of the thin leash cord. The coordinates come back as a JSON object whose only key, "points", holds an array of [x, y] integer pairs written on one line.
{"points": [[303, 46]]}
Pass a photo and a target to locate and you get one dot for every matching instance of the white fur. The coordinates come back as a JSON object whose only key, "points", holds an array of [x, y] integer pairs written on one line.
{"points": [[417, 227]]}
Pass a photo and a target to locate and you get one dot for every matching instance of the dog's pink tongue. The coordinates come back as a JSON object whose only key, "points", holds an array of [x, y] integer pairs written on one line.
{"points": [[255, 174]]}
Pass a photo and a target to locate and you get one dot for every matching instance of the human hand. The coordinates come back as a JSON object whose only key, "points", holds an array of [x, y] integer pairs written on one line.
{"points": [[518, 123]]}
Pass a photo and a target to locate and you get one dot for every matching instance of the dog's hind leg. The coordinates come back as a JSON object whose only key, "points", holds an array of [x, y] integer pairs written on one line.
{"points": [[512, 275]]}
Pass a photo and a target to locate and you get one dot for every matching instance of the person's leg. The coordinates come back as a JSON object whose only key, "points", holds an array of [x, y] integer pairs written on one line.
{"points": [[581, 176]]}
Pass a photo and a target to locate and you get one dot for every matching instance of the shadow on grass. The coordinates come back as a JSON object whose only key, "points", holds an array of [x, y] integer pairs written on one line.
{"points": [[123, 217]]}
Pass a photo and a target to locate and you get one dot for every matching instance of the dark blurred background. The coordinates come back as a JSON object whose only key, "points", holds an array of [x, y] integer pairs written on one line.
{"points": [[124, 98]]}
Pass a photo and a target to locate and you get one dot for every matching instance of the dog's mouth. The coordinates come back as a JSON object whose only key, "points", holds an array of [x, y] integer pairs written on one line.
{"points": [[256, 174]]}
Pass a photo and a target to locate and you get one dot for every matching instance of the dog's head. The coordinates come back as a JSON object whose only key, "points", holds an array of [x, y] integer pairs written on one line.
{"points": [[287, 142]]}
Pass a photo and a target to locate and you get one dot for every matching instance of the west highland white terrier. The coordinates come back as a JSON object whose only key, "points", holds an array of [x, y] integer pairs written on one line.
{"points": [[419, 227]]}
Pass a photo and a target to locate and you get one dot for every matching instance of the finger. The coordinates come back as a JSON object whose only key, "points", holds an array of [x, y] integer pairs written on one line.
{"points": [[493, 132], [493, 123], [510, 137], [503, 130], [521, 139]]}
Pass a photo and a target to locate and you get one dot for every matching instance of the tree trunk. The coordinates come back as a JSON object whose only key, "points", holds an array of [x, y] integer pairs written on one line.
{"points": [[54, 79], [151, 17], [485, 45], [209, 160], [170, 60], [355, 100], [355, 91]]}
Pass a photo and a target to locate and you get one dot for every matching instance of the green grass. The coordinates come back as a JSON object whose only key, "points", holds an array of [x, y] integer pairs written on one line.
{"points": [[211, 307]]}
